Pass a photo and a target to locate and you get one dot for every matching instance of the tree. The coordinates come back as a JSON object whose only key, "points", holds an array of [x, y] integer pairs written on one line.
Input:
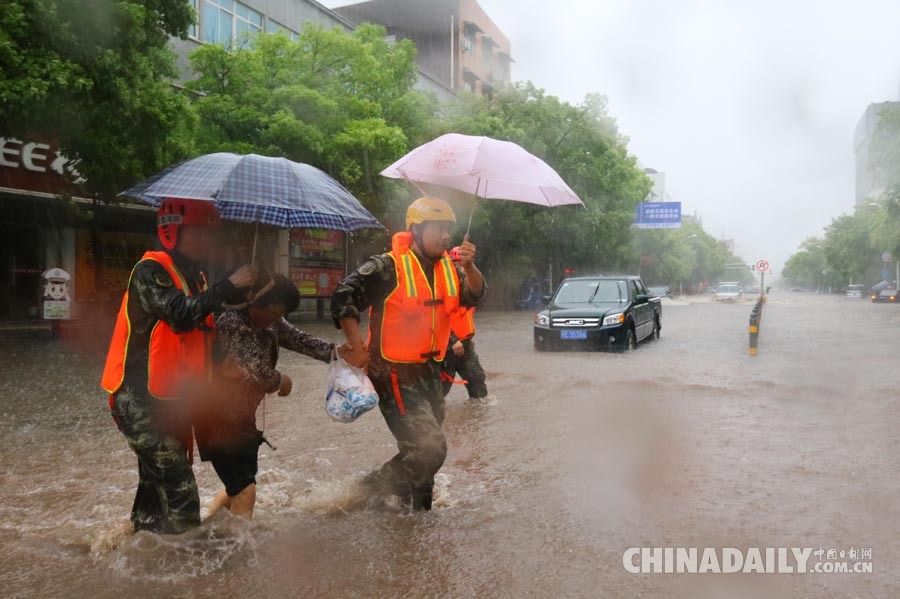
{"points": [[850, 245], [582, 143], [341, 102], [687, 256], [95, 77], [808, 268]]}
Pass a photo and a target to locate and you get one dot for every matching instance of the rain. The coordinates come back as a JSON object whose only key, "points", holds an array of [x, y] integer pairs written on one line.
{"points": [[678, 226]]}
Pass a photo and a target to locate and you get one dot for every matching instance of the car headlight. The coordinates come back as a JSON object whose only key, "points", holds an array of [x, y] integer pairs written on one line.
{"points": [[614, 319], [542, 319]]}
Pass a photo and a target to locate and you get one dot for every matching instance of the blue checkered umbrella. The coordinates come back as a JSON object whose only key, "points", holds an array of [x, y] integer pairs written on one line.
{"points": [[259, 189]]}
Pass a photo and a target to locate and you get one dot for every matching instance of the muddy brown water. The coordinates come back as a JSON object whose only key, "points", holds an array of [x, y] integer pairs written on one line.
{"points": [[687, 442]]}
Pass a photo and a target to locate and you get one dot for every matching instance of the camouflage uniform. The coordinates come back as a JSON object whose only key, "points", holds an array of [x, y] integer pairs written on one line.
{"points": [[468, 366], [420, 438], [158, 431]]}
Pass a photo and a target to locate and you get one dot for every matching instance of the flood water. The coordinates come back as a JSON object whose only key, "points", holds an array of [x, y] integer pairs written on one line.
{"points": [[687, 442]]}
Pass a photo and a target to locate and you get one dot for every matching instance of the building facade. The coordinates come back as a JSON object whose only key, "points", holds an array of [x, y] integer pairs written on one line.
{"points": [[97, 244], [222, 21], [458, 43], [867, 187]]}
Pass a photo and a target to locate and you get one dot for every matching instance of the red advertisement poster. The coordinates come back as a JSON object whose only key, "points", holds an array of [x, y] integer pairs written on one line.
{"points": [[317, 245], [316, 282]]}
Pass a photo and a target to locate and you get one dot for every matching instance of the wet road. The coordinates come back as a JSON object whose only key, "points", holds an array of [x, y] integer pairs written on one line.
{"points": [[687, 442]]}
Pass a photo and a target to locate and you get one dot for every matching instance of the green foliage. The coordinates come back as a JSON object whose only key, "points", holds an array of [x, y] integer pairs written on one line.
{"points": [[583, 144], [687, 256], [94, 75], [808, 268], [850, 251], [853, 243], [343, 103], [851, 247]]}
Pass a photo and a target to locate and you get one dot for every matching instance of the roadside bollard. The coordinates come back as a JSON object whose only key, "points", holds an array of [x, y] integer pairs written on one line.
{"points": [[755, 320]]}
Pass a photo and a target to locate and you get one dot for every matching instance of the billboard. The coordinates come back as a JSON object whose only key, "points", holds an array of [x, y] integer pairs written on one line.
{"points": [[317, 261], [317, 245], [658, 215], [316, 282]]}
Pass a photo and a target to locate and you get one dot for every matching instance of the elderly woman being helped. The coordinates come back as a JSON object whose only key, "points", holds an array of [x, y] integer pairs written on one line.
{"points": [[245, 357]]}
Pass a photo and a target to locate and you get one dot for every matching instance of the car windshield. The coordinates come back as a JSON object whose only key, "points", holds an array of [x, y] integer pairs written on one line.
{"points": [[590, 291], [728, 289], [854, 288]]}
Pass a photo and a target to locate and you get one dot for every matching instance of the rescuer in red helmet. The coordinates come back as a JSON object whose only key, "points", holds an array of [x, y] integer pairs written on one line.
{"points": [[160, 350]]}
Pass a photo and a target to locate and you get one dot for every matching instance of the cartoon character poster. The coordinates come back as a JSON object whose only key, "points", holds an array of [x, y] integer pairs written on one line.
{"points": [[56, 294]]}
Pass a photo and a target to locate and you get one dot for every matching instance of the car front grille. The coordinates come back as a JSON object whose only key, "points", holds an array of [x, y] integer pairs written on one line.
{"points": [[576, 322]]}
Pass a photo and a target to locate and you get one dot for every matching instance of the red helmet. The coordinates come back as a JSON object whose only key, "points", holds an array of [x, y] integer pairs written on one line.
{"points": [[454, 254], [175, 212]]}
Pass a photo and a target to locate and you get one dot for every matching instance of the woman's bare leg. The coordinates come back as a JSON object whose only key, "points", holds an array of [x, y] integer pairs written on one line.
{"points": [[222, 500], [242, 503]]}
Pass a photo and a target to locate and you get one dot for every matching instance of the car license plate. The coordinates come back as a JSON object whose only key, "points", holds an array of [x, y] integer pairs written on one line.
{"points": [[577, 334]]}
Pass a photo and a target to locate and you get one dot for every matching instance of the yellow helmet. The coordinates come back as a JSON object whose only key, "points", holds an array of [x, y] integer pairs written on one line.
{"points": [[426, 209]]}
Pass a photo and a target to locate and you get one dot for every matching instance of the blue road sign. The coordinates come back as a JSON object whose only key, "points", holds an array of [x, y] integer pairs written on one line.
{"points": [[658, 215]]}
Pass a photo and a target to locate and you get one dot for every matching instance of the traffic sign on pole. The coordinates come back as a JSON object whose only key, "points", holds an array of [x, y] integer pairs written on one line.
{"points": [[762, 265]]}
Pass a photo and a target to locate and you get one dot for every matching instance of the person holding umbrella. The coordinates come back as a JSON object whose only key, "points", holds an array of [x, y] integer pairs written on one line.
{"points": [[411, 293], [160, 351]]}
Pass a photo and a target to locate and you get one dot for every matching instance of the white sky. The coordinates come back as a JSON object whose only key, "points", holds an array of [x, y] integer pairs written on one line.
{"points": [[748, 107]]}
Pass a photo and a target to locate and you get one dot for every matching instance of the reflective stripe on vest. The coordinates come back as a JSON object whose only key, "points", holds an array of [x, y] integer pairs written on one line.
{"points": [[462, 323], [173, 358], [415, 321]]}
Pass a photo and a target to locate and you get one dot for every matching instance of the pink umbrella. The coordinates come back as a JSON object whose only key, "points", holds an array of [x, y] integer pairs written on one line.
{"points": [[486, 168]]}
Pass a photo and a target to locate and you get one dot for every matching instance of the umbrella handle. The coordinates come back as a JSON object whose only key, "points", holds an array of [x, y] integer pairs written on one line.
{"points": [[253, 256], [255, 236], [469, 226]]}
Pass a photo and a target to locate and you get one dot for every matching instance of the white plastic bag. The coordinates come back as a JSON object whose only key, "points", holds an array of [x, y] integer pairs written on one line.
{"points": [[350, 392]]}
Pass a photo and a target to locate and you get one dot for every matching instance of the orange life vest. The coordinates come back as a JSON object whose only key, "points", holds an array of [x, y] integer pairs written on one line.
{"points": [[173, 358], [462, 323], [415, 322]]}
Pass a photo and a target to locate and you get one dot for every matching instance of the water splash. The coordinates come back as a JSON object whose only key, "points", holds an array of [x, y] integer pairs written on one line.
{"points": [[151, 557]]}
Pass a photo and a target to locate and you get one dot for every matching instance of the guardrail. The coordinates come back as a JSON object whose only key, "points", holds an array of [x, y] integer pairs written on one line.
{"points": [[755, 321]]}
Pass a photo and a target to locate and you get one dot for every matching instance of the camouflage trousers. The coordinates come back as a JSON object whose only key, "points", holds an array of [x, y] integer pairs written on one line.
{"points": [[469, 368], [412, 404], [167, 500]]}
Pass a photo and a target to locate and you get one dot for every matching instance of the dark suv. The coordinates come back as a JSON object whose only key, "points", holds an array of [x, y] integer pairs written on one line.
{"points": [[598, 313]]}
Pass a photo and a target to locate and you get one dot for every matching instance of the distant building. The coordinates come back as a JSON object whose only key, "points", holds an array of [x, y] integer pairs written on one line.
{"points": [[658, 191], [866, 186], [38, 231], [458, 43], [221, 21]]}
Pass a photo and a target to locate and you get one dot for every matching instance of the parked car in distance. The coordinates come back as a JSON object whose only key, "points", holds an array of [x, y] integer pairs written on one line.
{"points": [[728, 291], [661, 291], [887, 296], [598, 313], [855, 291]]}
